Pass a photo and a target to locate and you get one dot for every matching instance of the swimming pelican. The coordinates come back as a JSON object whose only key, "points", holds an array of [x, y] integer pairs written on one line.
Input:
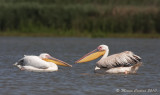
{"points": [[124, 62], [42, 63]]}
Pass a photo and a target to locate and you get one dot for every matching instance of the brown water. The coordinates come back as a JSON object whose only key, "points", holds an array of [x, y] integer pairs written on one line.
{"points": [[80, 79]]}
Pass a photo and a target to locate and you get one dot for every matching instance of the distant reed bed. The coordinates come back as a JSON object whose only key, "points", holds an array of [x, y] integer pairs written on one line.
{"points": [[95, 18]]}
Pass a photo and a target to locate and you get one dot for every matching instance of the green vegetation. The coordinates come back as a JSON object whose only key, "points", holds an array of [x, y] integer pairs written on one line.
{"points": [[80, 18]]}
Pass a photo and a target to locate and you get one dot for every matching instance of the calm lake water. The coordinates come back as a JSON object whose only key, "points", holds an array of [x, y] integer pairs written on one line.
{"points": [[80, 79]]}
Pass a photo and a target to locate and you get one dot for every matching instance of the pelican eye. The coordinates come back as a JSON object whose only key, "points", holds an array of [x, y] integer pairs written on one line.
{"points": [[100, 48], [47, 56]]}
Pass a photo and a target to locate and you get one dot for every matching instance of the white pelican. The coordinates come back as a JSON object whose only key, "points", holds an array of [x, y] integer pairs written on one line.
{"points": [[42, 63], [124, 62]]}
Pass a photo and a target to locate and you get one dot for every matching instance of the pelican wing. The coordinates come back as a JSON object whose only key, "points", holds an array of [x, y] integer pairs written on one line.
{"points": [[123, 59], [35, 62]]}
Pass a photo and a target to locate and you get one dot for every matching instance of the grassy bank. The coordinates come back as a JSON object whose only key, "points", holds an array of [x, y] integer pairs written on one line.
{"points": [[85, 34], [87, 18]]}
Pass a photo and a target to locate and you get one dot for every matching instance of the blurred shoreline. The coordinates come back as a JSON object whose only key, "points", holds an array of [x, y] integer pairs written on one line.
{"points": [[108, 35]]}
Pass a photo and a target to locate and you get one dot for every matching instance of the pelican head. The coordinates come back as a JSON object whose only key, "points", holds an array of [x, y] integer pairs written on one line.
{"points": [[44, 55], [103, 48], [99, 51], [48, 58]]}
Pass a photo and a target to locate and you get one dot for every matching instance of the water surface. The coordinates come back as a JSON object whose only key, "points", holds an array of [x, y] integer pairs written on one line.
{"points": [[80, 79]]}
